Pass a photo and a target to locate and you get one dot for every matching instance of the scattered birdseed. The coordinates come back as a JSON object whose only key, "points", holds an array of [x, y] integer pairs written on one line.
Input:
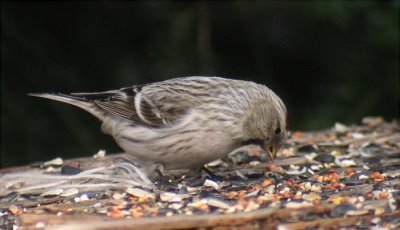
{"points": [[344, 173], [55, 162], [217, 203], [137, 192], [173, 197], [356, 212], [118, 195], [298, 205], [210, 183], [100, 154], [54, 192], [70, 192]]}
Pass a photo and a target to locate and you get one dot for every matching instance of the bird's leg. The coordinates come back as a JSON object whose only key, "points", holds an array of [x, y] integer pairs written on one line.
{"points": [[193, 178], [212, 175], [159, 172], [159, 176], [196, 178], [132, 169], [156, 170]]}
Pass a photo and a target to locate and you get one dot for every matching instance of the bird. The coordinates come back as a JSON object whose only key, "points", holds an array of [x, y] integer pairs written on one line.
{"points": [[186, 122]]}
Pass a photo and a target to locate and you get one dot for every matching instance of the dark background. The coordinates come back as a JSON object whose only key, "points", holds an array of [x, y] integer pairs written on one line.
{"points": [[329, 61]]}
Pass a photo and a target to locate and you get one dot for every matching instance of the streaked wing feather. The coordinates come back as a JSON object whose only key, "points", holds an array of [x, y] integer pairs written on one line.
{"points": [[151, 113], [116, 108], [122, 104]]}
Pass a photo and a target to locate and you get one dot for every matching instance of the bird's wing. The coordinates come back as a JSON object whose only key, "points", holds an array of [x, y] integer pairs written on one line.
{"points": [[140, 106]]}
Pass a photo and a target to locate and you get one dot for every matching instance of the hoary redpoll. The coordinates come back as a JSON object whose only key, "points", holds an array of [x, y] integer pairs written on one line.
{"points": [[184, 123]]}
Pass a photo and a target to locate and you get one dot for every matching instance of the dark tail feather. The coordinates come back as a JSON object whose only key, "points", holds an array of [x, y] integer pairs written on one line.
{"points": [[79, 101]]}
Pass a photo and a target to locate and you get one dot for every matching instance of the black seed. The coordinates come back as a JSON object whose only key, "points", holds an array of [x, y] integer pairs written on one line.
{"points": [[255, 175], [372, 149], [196, 182], [354, 182], [205, 194], [307, 148], [373, 160], [254, 158], [69, 170], [325, 158]]}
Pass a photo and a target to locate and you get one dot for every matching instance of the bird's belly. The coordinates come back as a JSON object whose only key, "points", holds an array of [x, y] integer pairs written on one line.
{"points": [[195, 157], [188, 151]]}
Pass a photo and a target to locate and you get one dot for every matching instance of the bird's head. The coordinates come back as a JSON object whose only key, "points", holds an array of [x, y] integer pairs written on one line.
{"points": [[265, 124]]}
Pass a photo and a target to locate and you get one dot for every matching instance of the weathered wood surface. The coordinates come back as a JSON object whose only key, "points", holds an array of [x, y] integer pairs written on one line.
{"points": [[259, 219], [346, 177]]}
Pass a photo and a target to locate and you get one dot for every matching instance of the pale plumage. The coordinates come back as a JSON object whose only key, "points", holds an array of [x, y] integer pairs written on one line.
{"points": [[184, 123]]}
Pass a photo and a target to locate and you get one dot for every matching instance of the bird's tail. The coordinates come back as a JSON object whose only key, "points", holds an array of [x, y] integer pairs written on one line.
{"points": [[79, 101]]}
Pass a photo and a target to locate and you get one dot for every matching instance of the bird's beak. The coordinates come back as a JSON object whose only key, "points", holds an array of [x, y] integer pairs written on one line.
{"points": [[271, 151]]}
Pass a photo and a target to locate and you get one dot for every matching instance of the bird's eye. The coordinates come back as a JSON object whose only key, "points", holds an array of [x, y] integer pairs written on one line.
{"points": [[277, 131]]}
